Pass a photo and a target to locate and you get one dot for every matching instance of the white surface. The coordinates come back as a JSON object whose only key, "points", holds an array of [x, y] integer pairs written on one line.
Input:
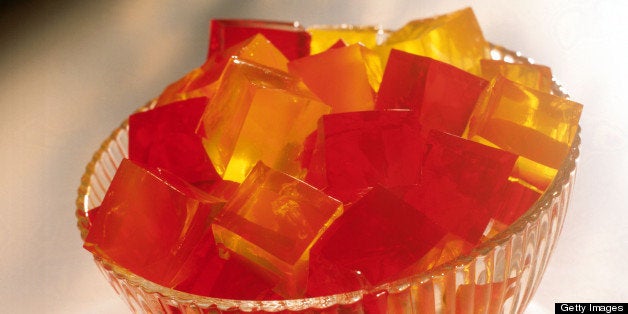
{"points": [[70, 73]]}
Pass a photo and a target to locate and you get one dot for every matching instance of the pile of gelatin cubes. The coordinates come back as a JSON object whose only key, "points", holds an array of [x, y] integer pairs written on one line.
{"points": [[301, 162]]}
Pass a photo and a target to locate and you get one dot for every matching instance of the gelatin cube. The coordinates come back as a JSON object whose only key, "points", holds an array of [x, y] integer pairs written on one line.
{"points": [[327, 278], [165, 137], [534, 76], [204, 80], [357, 150], [272, 221], [454, 38], [229, 278], [154, 224], [349, 88], [447, 249], [539, 127], [324, 37], [378, 236], [258, 114], [289, 37], [460, 184], [517, 199], [443, 95]]}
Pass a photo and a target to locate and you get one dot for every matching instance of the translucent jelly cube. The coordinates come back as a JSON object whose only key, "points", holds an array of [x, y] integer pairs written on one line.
{"points": [[325, 36], [289, 37], [166, 137], [344, 78], [154, 224], [259, 114], [535, 76], [447, 249], [357, 150], [204, 80], [272, 221], [377, 237], [230, 278], [460, 184], [516, 200], [443, 95], [537, 126], [454, 38]]}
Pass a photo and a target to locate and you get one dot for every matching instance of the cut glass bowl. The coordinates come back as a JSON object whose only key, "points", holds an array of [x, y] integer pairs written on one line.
{"points": [[499, 276]]}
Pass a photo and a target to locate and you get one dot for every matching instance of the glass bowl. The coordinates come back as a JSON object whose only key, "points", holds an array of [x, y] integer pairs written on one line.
{"points": [[499, 276]]}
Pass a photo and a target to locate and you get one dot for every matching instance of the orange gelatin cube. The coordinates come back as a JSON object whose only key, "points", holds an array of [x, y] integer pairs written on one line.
{"points": [[324, 37], [203, 81], [273, 221], [259, 114], [154, 224], [537, 126], [454, 38], [344, 78], [535, 76]]}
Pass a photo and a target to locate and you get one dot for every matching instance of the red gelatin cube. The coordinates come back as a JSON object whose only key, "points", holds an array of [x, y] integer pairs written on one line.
{"points": [[461, 183], [517, 199], [272, 222], [378, 236], [443, 95], [327, 278], [154, 224], [339, 77], [229, 278], [289, 37], [357, 150], [165, 137]]}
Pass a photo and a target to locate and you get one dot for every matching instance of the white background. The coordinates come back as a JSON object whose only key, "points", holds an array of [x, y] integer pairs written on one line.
{"points": [[71, 72]]}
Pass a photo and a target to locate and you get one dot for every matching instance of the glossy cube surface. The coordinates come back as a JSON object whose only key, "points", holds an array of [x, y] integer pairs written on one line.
{"points": [[166, 137], [442, 95], [460, 184], [344, 78], [154, 224], [259, 114], [454, 38], [537, 126], [272, 221], [378, 237], [358, 150], [534, 76]]}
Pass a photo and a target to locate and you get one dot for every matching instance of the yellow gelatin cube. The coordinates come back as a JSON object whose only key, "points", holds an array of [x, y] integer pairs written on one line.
{"points": [[258, 113], [454, 38], [537, 126], [535, 76], [204, 80], [272, 221], [323, 37]]}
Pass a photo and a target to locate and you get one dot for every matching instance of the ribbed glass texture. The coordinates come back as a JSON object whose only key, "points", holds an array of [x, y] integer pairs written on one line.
{"points": [[500, 276]]}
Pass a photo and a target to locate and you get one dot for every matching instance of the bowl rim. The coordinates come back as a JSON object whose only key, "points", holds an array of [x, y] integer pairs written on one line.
{"points": [[543, 204]]}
